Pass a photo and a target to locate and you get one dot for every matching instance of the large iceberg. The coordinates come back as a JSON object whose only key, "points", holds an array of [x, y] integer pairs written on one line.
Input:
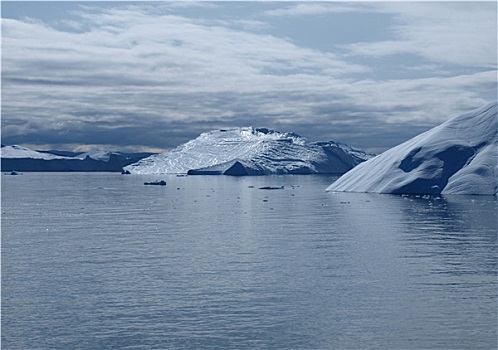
{"points": [[459, 156], [250, 151]]}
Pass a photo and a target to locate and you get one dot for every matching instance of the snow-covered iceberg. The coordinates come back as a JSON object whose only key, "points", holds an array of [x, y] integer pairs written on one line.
{"points": [[251, 151], [459, 156], [19, 152], [20, 158]]}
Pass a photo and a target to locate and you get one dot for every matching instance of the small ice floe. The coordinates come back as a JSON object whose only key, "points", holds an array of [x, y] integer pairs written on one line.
{"points": [[272, 188], [156, 183]]}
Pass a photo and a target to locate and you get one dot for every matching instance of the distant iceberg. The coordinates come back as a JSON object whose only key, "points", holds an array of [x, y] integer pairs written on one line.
{"points": [[250, 151], [20, 158], [19, 152], [459, 156]]}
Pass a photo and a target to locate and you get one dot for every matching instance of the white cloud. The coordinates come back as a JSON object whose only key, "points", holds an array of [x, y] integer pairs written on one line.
{"points": [[314, 8], [141, 75], [132, 48], [463, 33]]}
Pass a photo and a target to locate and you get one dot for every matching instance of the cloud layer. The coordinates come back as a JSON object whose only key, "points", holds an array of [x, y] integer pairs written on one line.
{"points": [[150, 76]]}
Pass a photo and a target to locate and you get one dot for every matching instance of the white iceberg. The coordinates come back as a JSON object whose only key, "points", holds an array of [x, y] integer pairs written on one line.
{"points": [[459, 156], [250, 151]]}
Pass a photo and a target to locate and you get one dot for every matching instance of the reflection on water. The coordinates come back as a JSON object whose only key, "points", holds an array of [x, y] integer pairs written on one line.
{"points": [[430, 254], [101, 261], [455, 229]]}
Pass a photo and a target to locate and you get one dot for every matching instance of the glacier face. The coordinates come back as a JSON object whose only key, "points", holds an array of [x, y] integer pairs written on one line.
{"points": [[250, 151], [459, 156]]}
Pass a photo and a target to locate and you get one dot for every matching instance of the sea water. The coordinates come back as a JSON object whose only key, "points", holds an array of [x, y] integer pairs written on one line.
{"points": [[100, 261]]}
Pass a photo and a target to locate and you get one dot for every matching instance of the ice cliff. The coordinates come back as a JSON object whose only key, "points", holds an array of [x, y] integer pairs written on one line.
{"points": [[459, 156], [250, 151]]}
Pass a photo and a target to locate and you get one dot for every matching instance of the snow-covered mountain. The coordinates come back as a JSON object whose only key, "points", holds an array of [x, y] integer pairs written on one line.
{"points": [[24, 159], [459, 156], [250, 151]]}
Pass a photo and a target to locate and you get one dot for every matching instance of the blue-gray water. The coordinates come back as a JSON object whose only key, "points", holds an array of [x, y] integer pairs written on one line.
{"points": [[100, 261]]}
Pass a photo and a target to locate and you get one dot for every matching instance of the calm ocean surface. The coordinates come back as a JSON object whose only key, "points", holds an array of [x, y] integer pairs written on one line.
{"points": [[100, 261]]}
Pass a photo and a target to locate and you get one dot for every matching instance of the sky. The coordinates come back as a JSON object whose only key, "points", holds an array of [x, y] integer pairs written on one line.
{"points": [[149, 76]]}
